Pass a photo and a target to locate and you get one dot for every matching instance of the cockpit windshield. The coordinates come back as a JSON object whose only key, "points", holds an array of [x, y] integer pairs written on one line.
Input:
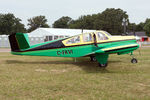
{"points": [[108, 33]]}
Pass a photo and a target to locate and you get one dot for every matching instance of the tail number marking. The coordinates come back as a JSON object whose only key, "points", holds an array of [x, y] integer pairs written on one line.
{"points": [[65, 52]]}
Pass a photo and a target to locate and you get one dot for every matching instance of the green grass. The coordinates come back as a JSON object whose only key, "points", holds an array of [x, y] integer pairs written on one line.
{"points": [[49, 78], [145, 44]]}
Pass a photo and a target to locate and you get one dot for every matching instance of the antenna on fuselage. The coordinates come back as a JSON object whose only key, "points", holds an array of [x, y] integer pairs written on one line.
{"points": [[134, 30], [125, 24], [82, 31]]}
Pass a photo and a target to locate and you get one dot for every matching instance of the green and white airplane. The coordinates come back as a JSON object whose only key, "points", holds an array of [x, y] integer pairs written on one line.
{"points": [[97, 45]]}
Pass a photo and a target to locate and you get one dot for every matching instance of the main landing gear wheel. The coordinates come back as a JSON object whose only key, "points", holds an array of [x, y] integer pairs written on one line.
{"points": [[93, 59], [134, 60], [102, 65]]}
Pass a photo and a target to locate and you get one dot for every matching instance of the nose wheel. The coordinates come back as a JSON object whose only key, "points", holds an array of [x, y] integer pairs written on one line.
{"points": [[134, 60]]}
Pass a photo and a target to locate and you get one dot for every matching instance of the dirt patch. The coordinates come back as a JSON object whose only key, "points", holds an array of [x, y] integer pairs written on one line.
{"points": [[41, 70], [58, 71]]}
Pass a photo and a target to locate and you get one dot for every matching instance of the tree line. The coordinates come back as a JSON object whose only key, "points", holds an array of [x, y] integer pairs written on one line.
{"points": [[109, 20]]}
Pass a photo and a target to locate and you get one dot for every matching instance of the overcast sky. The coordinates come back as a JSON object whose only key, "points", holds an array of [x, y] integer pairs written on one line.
{"points": [[138, 10]]}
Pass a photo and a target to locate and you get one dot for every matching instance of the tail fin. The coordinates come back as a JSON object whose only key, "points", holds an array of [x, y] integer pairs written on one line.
{"points": [[19, 41]]}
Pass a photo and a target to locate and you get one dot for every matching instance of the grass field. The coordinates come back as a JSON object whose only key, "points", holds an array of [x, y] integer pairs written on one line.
{"points": [[49, 78]]}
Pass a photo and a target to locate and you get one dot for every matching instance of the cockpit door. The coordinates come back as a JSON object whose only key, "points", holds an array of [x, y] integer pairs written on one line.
{"points": [[99, 37]]}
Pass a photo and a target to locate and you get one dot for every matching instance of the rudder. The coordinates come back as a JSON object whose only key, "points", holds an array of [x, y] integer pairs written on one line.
{"points": [[19, 41]]}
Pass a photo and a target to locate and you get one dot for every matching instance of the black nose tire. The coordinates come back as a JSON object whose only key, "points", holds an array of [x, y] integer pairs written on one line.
{"points": [[102, 65], [134, 61]]}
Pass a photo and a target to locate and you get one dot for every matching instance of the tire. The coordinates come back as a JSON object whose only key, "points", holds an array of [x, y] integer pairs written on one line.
{"points": [[93, 59], [134, 61], [102, 65]]}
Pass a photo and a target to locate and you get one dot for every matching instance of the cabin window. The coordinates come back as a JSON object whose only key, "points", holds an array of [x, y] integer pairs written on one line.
{"points": [[74, 40], [87, 37], [102, 36], [107, 33]]}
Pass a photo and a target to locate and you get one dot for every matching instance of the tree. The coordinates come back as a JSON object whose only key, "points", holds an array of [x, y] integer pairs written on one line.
{"points": [[147, 27], [111, 20], [36, 22], [83, 22], [132, 27], [140, 26], [10, 24], [77, 24], [62, 22]]}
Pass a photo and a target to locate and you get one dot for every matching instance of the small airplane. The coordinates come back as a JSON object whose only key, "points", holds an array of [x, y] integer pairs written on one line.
{"points": [[96, 45]]}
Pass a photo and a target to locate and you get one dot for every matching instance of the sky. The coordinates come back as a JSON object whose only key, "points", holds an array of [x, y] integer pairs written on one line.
{"points": [[138, 10]]}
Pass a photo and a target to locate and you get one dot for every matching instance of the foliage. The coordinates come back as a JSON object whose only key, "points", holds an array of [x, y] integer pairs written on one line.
{"points": [[109, 20], [36, 22], [131, 27], [10, 24], [147, 27], [63, 22], [140, 26], [83, 22]]}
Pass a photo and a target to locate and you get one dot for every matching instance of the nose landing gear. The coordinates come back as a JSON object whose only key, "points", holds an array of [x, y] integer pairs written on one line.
{"points": [[133, 60]]}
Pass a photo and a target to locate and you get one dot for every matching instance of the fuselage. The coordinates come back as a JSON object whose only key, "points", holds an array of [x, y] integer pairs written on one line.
{"points": [[82, 45]]}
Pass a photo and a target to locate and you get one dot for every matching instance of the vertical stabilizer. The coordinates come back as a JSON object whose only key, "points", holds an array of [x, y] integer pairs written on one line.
{"points": [[19, 41]]}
